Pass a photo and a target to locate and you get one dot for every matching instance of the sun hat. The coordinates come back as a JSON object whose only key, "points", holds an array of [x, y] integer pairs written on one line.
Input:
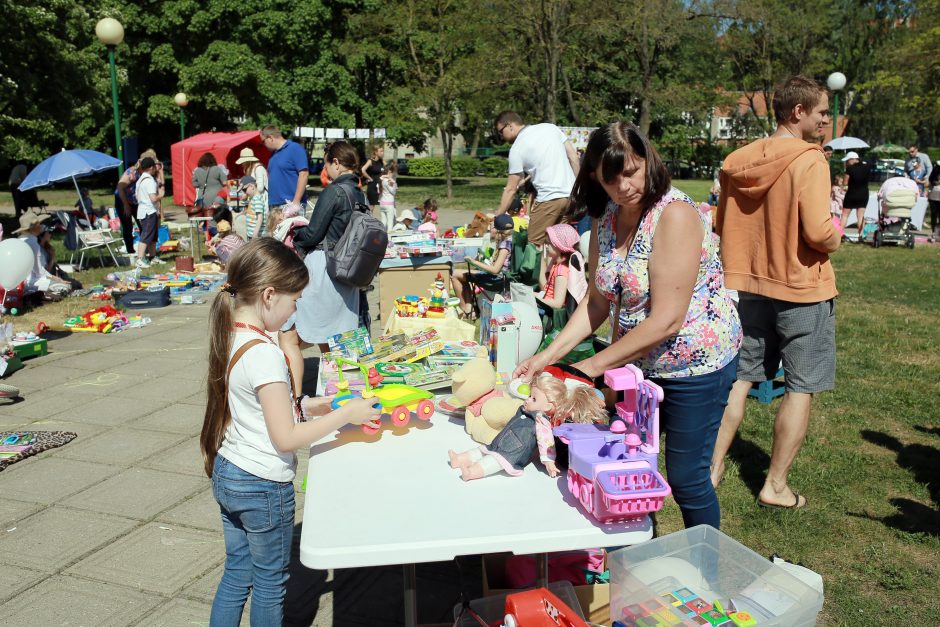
{"points": [[246, 155], [564, 237], [30, 219], [405, 214], [850, 155], [503, 222]]}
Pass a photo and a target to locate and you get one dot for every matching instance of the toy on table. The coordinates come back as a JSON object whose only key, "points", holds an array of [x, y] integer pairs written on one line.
{"points": [[475, 398], [539, 608], [612, 470], [396, 399], [550, 403]]}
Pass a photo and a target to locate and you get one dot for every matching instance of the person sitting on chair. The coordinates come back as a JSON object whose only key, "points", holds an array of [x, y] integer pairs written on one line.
{"points": [[40, 279], [501, 234]]}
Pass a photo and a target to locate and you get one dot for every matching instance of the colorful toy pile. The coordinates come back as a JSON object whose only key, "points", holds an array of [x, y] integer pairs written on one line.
{"points": [[683, 607], [105, 319], [433, 306]]}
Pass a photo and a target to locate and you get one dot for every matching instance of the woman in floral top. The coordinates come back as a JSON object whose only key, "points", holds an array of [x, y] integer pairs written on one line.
{"points": [[658, 279]]}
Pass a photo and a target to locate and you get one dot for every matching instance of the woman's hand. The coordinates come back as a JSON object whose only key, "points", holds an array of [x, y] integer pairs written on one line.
{"points": [[587, 367], [532, 366]]}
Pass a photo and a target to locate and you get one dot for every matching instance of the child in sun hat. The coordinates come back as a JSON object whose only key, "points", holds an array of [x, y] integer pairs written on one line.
{"points": [[555, 273], [501, 237]]}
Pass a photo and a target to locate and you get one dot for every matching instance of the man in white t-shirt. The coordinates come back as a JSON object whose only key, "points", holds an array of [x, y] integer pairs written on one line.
{"points": [[149, 212], [544, 154]]}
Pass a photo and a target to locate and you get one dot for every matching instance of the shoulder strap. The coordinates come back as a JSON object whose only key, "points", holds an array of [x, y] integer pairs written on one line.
{"points": [[238, 355], [352, 203]]}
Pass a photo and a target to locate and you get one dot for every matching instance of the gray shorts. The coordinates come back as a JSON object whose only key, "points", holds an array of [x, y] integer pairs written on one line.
{"points": [[802, 335]]}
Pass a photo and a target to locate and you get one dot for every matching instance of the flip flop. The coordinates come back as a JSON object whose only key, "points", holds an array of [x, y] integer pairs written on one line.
{"points": [[796, 503]]}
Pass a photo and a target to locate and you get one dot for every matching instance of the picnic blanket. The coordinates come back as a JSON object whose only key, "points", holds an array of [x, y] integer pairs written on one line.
{"points": [[18, 445]]}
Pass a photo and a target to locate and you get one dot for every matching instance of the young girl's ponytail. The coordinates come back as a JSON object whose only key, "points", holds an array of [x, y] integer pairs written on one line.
{"points": [[261, 263], [221, 320]]}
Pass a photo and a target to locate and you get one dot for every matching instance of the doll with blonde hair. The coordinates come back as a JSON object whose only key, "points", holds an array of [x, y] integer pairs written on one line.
{"points": [[550, 403]]}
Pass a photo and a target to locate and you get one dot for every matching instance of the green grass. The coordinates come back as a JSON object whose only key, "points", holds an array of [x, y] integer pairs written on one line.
{"points": [[869, 466]]}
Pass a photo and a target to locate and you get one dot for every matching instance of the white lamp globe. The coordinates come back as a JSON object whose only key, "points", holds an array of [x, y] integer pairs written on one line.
{"points": [[109, 31], [180, 99], [836, 81]]}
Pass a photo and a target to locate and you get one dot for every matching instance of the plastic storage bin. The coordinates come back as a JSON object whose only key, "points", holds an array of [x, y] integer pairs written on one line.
{"points": [[677, 579]]}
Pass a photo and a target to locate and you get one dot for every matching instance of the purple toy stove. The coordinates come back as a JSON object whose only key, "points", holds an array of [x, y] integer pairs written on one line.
{"points": [[612, 469]]}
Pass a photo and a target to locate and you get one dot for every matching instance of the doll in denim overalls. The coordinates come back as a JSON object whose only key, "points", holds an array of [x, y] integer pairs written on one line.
{"points": [[550, 403]]}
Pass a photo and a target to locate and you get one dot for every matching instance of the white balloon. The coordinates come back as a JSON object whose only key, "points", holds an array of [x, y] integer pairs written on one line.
{"points": [[584, 247], [530, 328], [16, 262]]}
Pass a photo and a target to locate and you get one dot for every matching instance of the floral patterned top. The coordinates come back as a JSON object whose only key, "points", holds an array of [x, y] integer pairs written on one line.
{"points": [[711, 334]]}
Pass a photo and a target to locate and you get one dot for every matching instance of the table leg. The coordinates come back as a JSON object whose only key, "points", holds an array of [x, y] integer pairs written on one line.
{"points": [[541, 570], [411, 596]]}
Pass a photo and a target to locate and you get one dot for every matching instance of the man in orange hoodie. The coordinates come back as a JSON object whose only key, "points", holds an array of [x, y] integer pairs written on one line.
{"points": [[776, 235]]}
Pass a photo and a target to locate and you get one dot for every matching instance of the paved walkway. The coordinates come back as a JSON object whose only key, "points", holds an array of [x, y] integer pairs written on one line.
{"points": [[119, 527]]}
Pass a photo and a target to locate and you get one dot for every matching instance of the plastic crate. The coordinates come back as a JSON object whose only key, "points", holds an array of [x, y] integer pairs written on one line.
{"points": [[677, 579], [493, 608]]}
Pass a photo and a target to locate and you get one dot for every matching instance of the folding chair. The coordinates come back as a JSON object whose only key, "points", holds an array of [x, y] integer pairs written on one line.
{"points": [[86, 239]]}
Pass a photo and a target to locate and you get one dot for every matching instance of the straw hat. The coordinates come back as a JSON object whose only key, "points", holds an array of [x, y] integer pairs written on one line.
{"points": [[246, 155], [28, 220]]}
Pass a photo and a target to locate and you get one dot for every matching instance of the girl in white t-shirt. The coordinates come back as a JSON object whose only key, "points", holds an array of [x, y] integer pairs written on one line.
{"points": [[254, 423]]}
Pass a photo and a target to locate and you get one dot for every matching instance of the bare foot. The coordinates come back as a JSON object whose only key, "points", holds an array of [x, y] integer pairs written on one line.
{"points": [[458, 460], [783, 499], [471, 472], [717, 473]]}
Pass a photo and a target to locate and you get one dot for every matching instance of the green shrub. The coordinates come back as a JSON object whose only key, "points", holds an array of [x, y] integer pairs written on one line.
{"points": [[464, 166], [495, 166], [426, 167]]}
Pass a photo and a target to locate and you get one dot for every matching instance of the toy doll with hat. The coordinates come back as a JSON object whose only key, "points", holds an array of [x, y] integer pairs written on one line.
{"points": [[550, 404]]}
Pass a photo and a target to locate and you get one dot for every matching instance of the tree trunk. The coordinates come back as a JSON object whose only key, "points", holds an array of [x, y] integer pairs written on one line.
{"points": [[476, 141], [447, 139], [645, 117], [569, 97]]}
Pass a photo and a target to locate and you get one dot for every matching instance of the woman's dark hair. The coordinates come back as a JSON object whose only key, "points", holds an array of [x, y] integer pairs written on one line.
{"points": [[207, 160], [608, 148], [344, 153]]}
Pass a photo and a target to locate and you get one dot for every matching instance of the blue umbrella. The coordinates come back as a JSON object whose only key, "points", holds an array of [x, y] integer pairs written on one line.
{"points": [[68, 164]]}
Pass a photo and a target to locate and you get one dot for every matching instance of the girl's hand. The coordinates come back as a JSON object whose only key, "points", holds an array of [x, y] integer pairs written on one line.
{"points": [[363, 410], [532, 366], [552, 469], [318, 405]]}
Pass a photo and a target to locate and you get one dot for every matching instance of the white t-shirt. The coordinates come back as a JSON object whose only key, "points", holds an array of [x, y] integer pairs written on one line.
{"points": [[35, 280], [539, 150], [146, 185], [247, 443]]}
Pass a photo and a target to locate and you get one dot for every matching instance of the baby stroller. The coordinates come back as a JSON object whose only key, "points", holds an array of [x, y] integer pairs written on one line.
{"points": [[896, 198]]}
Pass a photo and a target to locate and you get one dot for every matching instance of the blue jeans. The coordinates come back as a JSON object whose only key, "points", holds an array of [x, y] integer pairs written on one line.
{"points": [[690, 415], [258, 524]]}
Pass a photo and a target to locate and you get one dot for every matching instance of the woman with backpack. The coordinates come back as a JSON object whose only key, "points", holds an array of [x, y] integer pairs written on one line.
{"points": [[326, 307]]}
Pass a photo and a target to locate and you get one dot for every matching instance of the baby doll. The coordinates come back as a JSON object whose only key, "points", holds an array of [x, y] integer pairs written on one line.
{"points": [[549, 404]]}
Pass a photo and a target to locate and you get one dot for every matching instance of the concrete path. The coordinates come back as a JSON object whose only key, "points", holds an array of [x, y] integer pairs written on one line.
{"points": [[119, 527]]}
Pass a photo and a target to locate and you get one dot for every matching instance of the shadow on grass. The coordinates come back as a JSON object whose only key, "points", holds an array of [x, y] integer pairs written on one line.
{"points": [[373, 595], [752, 463], [419, 181], [921, 461]]}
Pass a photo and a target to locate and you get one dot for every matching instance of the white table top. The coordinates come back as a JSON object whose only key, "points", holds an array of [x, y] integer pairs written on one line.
{"points": [[392, 498]]}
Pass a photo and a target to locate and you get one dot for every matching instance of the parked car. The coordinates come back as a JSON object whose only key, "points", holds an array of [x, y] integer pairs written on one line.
{"points": [[316, 165], [402, 166]]}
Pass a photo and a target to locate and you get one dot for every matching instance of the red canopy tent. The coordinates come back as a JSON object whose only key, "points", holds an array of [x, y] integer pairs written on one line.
{"points": [[225, 147]]}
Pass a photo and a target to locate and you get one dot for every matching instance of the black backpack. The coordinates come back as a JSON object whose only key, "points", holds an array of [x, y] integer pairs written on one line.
{"points": [[356, 257]]}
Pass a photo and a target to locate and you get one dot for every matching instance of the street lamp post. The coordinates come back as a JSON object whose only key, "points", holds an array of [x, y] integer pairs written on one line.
{"points": [[835, 82], [181, 101], [110, 32]]}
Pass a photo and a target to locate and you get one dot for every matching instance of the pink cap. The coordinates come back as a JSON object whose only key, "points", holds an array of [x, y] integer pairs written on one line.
{"points": [[564, 237]]}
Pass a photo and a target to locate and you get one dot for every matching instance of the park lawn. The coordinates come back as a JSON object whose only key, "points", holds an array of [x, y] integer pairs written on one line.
{"points": [[870, 466]]}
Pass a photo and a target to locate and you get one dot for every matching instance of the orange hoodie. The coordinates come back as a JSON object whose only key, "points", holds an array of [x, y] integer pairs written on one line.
{"points": [[774, 222]]}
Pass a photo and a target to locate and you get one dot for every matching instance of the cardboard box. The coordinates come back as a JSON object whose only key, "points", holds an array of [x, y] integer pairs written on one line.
{"points": [[594, 598], [397, 282]]}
